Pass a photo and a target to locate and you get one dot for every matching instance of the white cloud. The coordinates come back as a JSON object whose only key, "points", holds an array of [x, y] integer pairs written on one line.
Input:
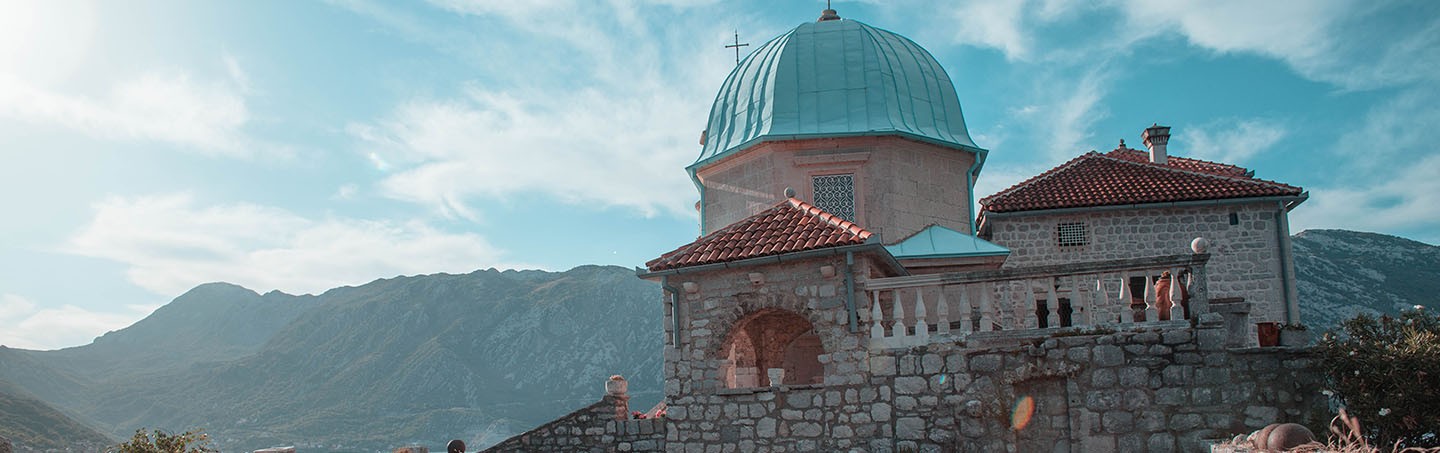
{"points": [[1352, 44], [1232, 141], [1400, 202], [23, 325], [995, 24], [1065, 113], [171, 244], [206, 116], [616, 132]]}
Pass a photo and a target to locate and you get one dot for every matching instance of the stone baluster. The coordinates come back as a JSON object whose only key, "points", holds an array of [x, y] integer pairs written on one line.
{"points": [[942, 313], [897, 310], [1052, 304], [1032, 320], [1102, 299], [967, 321], [1176, 295], [877, 326], [922, 330], [987, 311], [1007, 306], [1017, 305], [1151, 313], [1127, 314], [1079, 316]]}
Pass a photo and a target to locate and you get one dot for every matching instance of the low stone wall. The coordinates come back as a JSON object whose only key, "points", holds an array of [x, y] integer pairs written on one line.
{"points": [[1153, 391], [595, 428]]}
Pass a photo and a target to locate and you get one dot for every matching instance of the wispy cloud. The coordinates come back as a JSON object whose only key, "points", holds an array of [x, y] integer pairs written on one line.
{"points": [[206, 116], [1232, 141], [23, 324], [613, 134], [171, 243]]}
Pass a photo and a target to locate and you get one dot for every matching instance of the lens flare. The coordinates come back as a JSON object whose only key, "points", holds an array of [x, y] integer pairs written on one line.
{"points": [[942, 379], [1024, 411]]}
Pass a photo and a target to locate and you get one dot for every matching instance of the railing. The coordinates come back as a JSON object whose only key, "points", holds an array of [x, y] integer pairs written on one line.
{"points": [[917, 310]]}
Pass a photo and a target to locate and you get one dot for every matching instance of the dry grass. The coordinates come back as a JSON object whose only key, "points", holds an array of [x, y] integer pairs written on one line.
{"points": [[1345, 437]]}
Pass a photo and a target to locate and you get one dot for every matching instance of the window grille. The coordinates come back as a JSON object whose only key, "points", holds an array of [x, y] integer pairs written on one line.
{"points": [[836, 194], [1071, 234]]}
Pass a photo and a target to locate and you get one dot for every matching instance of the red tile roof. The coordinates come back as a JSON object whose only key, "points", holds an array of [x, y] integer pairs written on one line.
{"points": [[1126, 176], [790, 226]]}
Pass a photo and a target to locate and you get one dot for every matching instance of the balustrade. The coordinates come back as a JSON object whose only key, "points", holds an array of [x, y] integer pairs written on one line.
{"points": [[917, 310]]}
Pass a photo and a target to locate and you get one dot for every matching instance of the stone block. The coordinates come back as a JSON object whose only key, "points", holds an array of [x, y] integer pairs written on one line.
{"points": [[1151, 421], [1107, 355], [1118, 422], [1103, 378], [1079, 354], [1134, 376], [986, 363], [765, 428], [910, 385], [806, 429], [905, 403], [931, 364], [1161, 443], [1170, 396], [880, 412], [882, 365], [912, 428], [1259, 416], [1185, 422]]}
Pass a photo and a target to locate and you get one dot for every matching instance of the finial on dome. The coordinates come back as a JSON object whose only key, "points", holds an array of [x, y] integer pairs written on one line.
{"points": [[789, 192], [1122, 144], [828, 14]]}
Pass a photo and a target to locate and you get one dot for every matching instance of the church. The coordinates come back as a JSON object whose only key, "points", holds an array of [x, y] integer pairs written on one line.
{"points": [[845, 293]]}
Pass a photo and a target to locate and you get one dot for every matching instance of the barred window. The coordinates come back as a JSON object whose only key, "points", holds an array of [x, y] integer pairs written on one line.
{"points": [[836, 194], [1071, 234]]}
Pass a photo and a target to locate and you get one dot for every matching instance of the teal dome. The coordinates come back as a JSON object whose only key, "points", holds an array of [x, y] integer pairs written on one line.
{"points": [[835, 78]]}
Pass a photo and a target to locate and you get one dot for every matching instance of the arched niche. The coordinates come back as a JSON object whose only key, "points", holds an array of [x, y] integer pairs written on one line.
{"points": [[772, 338]]}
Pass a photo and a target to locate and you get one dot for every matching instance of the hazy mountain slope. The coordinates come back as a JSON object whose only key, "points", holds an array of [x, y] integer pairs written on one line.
{"points": [[1341, 273], [212, 322], [33, 425], [410, 359]]}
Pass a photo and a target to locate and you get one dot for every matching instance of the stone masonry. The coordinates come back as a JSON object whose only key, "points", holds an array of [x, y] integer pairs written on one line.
{"points": [[600, 427], [1245, 258]]}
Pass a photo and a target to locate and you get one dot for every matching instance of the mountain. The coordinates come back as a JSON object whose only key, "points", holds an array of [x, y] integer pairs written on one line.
{"points": [[32, 425], [398, 361], [479, 356], [1343, 273]]}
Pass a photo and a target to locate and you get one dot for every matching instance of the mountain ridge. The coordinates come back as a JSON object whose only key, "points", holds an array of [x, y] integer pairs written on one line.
{"points": [[477, 356]]}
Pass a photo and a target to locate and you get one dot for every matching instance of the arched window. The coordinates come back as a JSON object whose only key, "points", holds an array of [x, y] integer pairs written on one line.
{"points": [[772, 339]]}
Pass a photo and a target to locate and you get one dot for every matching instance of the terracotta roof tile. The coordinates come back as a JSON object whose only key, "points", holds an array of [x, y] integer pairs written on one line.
{"points": [[791, 226], [1126, 176]]}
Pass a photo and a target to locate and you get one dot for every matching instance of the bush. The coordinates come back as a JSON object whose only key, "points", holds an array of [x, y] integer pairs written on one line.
{"points": [[1387, 370], [193, 441]]}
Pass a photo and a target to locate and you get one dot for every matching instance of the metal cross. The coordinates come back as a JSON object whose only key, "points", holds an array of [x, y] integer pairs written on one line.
{"points": [[737, 46]]}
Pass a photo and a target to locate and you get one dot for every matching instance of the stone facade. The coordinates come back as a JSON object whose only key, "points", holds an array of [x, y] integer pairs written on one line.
{"points": [[1155, 390], [1246, 258], [901, 185]]}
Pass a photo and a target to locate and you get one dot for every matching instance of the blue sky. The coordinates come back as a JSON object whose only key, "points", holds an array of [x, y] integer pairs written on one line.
{"points": [[150, 146]]}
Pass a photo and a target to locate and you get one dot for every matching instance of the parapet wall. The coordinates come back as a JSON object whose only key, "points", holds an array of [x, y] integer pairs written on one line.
{"points": [[1128, 391], [595, 428]]}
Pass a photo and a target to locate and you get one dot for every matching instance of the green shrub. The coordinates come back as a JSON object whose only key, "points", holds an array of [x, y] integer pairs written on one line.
{"points": [[193, 441], [1387, 371]]}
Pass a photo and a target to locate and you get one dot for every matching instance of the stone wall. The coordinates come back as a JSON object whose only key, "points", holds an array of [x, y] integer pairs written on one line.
{"points": [[1245, 258], [1128, 391], [1098, 390], [591, 429]]}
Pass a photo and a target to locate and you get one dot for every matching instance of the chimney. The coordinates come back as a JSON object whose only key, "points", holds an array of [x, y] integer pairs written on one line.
{"points": [[1155, 138]]}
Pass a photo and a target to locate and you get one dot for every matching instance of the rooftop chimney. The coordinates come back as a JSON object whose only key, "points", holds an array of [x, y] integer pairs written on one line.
{"points": [[1155, 138]]}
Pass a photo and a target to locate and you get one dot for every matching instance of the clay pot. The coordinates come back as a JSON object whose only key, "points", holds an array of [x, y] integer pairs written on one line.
{"points": [[1269, 333], [616, 386]]}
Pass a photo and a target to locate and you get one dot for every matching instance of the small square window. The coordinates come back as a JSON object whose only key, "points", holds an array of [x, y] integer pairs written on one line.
{"points": [[1071, 234], [1234, 219], [836, 194]]}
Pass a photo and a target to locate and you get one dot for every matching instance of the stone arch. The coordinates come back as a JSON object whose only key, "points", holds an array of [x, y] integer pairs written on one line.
{"points": [[772, 338]]}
